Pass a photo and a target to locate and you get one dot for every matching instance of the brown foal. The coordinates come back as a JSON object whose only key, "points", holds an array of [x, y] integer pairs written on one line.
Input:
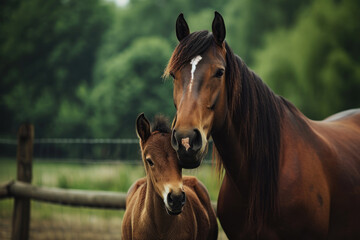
{"points": [[165, 205]]}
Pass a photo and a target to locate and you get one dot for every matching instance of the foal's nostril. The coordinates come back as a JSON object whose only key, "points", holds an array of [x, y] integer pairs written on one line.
{"points": [[196, 141], [170, 200], [183, 199], [174, 142]]}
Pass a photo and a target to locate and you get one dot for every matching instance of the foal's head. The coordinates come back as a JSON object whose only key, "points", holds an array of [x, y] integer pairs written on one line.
{"points": [[161, 164]]}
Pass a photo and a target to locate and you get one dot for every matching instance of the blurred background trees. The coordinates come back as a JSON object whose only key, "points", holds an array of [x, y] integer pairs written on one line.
{"points": [[88, 68]]}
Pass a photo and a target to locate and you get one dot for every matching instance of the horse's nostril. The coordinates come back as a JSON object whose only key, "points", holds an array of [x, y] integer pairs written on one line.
{"points": [[196, 141], [174, 142]]}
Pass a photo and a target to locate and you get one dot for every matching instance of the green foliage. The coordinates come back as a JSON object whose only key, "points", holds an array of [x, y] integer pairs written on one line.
{"points": [[46, 51], [131, 83], [88, 68], [316, 64], [248, 21]]}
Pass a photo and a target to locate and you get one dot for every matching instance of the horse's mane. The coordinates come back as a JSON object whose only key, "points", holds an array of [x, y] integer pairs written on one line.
{"points": [[258, 114], [161, 125], [255, 112]]}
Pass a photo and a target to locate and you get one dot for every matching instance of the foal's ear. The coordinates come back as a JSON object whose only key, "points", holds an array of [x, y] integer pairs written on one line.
{"points": [[182, 28], [218, 29], [142, 127]]}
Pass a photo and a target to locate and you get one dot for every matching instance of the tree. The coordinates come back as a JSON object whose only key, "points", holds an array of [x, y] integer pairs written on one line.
{"points": [[130, 84], [248, 21], [316, 64], [47, 49]]}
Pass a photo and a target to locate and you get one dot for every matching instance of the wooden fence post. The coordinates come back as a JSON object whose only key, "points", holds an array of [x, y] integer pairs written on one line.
{"points": [[21, 213]]}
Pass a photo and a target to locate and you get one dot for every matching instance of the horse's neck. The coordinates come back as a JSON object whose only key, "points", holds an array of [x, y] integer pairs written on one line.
{"points": [[251, 133], [229, 149], [155, 213]]}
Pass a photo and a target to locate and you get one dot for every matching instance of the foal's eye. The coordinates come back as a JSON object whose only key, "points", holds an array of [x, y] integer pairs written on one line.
{"points": [[219, 73], [150, 162]]}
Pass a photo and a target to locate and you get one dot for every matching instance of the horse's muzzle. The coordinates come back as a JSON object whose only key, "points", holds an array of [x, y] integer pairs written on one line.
{"points": [[188, 146]]}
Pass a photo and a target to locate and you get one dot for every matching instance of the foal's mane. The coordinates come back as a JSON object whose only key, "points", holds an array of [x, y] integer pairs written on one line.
{"points": [[255, 112], [160, 125]]}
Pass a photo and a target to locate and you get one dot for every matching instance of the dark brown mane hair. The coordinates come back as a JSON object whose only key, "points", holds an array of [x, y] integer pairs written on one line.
{"points": [[256, 112], [161, 124]]}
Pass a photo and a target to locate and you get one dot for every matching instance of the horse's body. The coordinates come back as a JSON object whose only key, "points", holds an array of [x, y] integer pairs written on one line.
{"points": [[148, 209], [318, 183], [286, 177]]}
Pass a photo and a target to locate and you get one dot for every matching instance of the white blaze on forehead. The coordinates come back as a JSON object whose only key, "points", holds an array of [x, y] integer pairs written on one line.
{"points": [[193, 63]]}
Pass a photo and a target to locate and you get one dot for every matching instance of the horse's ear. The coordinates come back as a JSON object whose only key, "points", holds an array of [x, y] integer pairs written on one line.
{"points": [[182, 28], [218, 29], [143, 127]]}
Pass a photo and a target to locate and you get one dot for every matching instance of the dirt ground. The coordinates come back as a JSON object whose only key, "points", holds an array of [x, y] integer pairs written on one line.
{"points": [[66, 230], [70, 230]]}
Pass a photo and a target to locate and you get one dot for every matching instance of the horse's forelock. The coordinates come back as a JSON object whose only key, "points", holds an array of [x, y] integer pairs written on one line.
{"points": [[194, 44]]}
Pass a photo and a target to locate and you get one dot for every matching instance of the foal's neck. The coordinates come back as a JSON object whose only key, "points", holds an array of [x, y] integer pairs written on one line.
{"points": [[157, 217]]}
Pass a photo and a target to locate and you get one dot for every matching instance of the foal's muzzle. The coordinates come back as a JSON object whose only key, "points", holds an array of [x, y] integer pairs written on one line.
{"points": [[188, 146], [176, 202]]}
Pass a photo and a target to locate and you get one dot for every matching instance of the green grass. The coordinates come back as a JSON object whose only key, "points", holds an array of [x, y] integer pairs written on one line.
{"points": [[116, 177]]}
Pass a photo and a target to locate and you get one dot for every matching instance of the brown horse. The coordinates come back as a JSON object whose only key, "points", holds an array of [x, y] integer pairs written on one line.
{"points": [[286, 177], [155, 205]]}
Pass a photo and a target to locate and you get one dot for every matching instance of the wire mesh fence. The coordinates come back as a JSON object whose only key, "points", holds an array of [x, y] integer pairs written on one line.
{"points": [[82, 149]]}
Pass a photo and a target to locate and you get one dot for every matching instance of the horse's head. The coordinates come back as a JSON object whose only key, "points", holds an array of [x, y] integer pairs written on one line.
{"points": [[198, 67], [161, 164]]}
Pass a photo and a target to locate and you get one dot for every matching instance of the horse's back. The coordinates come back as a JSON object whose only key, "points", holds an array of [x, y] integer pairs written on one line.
{"points": [[352, 114], [133, 189]]}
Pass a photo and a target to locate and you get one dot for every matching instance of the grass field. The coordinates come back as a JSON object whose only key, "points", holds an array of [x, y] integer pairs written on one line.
{"points": [[64, 222]]}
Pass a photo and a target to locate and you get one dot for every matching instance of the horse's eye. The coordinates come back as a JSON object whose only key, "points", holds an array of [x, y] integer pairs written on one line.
{"points": [[219, 73], [150, 162]]}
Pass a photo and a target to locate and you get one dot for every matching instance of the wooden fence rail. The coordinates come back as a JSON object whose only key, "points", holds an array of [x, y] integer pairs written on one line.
{"points": [[85, 198]]}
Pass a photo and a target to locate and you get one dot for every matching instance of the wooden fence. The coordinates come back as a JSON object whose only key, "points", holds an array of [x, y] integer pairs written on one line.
{"points": [[23, 191]]}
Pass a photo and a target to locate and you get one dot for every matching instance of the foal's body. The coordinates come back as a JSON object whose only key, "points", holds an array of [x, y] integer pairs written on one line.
{"points": [[150, 220], [148, 206]]}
